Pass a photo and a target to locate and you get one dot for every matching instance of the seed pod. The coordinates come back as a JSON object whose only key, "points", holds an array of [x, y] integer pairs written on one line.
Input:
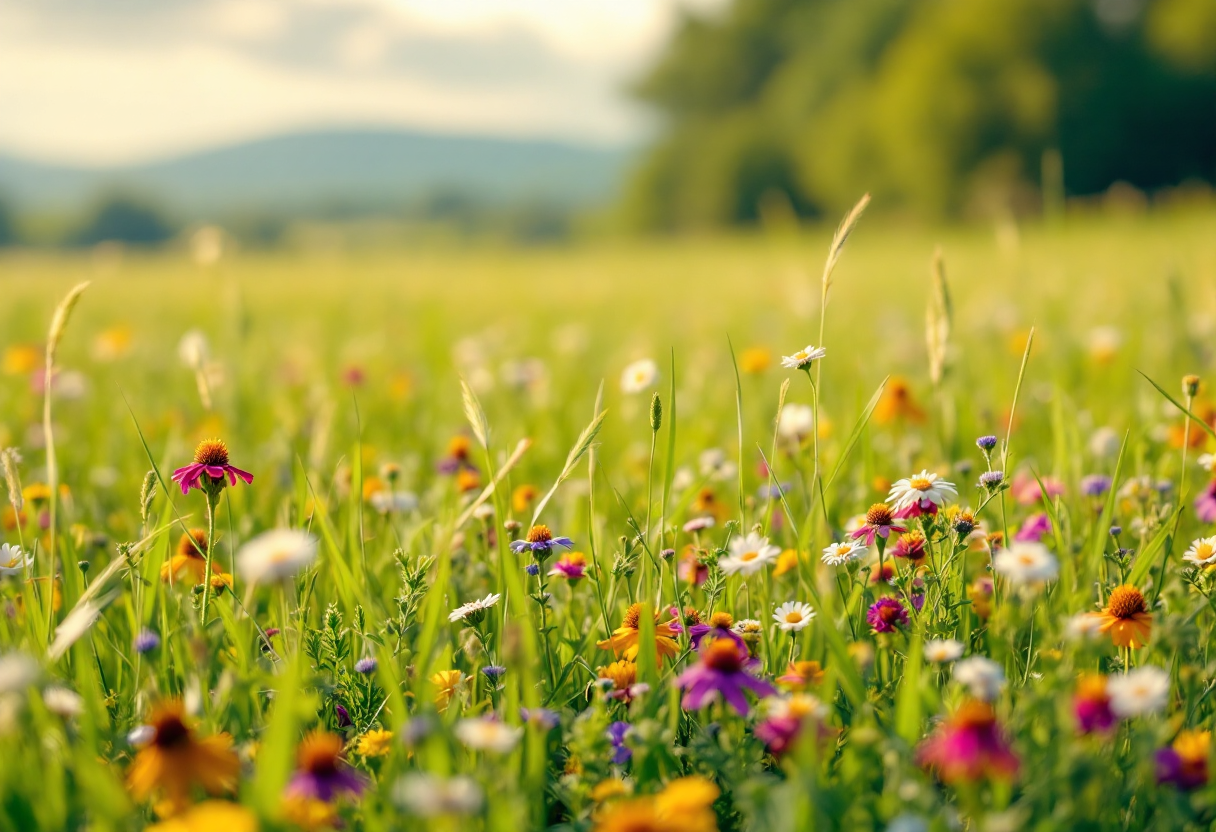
{"points": [[656, 413]]}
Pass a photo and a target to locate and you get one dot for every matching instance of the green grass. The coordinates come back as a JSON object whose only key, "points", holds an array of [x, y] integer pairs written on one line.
{"points": [[290, 330]]}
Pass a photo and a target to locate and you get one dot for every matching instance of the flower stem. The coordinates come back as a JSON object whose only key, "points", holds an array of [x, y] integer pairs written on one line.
{"points": [[211, 503]]}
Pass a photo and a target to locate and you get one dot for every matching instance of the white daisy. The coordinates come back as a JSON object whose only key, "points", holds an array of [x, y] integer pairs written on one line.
{"points": [[793, 616], [13, 560], [803, 357], [1208, 462], [276, 555], [639, 375], [427, 795], [394, 502], [844, 552], [796, 422], [473, 610], [748, 627], [487, 735], [918, 487], [748, 555], [943, 650], [982, 677], [1201, 553], [63, 702], [1145, 690], [1026, 563]]}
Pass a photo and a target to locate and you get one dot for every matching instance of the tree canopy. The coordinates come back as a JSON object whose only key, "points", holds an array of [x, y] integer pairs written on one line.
{"points": [[942, 106]]}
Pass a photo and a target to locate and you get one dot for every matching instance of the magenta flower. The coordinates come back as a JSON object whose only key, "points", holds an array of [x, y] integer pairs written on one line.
{"points": [[720, 625], [1091, 706], [1025, 488], [210, 461], [570, 566], [969, 746], [880, 522], [322, 774], [1035, 527], [887, 615], [1185, 762], [1205, 503], [723, 670]]}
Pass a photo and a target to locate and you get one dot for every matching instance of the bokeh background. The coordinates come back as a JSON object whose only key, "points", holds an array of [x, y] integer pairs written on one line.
{"points": [[542, 121]]}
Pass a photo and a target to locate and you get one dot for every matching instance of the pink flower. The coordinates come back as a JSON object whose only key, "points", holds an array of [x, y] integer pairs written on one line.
{"points": [[570, 566], [723, 670], [1034, 528], [1205, 504], [210, 461], [969, 746], [880, 522], [887, 615], [1025, 488]]}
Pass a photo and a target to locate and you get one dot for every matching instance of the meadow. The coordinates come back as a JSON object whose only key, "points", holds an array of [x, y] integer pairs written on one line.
{"points": [[532, 538]]}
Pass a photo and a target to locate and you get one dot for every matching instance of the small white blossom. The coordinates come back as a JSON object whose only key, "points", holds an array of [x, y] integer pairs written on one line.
{"points": [[982, 677], [1026, 563], [276, 555], [1145, 690], [639, 376], [844, 552], [13, 560], [793, 616], [487, 735], [943, 650], [803, 358], [748, 555], [473, 608]]}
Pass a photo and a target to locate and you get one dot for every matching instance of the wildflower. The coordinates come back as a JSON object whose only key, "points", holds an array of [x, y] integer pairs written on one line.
{"points": [[793, 616], [13, 560], [1126, 617], [429, 796], [920, 494], [755, 360], [545, 718], [847, 551], [722, 670], [719, 626], [467, 479], [617, 732], [1202, 552], [897, 403], [698, 524], [624, 639], [447, 684], [474, 612], [1026, 564], [146, 641], [1034, 528], [540, 539], [209, 816], [494, 672], [1026, 489], [982, 677], [943, 650], [62, 701], [174, 760], [692, 569], [190, 560], [623, 675], [17, 672], [748, 555], [910, 546], [685, 805], [1091, 705], [801, 674], [1095, 485], [522, 497], [964, 523], [803, 358], [366, 666], [211, 461], [1145, 690], [986, 443], [394, 502], [969, 746], [639, 375], [322, 774], [713, 463], [309, 813], [749, 630], [276, 555], [457, 458], [992, 479], [375, 743], [887, 615], [1205, 503], [571, 566], [486, 734], [796, 422], [1184, 763], [880, 522], [787, 562], [1083, 625]]}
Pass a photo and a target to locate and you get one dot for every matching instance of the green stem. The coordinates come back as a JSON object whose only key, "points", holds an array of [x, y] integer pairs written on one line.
{"points": [[211, 502]]}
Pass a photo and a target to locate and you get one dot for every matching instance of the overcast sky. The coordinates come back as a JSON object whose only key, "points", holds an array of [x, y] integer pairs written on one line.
{"points": [[114, 81]]}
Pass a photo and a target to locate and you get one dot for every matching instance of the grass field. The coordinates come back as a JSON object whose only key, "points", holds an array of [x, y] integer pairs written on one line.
{"points": [[995, 675]]}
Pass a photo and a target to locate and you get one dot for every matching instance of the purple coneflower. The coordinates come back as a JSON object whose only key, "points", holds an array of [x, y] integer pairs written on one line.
{"points": [[723, 670], [210, 461], [1091, 705], [322, 774], [969, 746], [721, 625], [1034, 528], [539, 540], [880, 522], [887, 615], [1185, 762]]}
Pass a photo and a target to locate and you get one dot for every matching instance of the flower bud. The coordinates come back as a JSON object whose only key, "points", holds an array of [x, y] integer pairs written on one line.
{"points": [[1190, 385]]}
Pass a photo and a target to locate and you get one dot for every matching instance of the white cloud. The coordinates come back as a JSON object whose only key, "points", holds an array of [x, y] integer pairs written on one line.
{"points": [[130, 79]]}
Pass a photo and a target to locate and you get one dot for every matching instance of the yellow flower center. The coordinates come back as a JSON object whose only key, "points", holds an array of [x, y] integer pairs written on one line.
{"points": [[921, 483], [800, 355], [1203, 551], [793, 617], [746, 556], [211, 452]]}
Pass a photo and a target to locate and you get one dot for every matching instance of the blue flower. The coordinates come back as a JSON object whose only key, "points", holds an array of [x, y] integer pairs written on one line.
{"points": [[540, 539]]}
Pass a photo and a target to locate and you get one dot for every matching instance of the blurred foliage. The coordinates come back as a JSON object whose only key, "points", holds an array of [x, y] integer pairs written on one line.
{"points": [[126, 219], [941, 106]]}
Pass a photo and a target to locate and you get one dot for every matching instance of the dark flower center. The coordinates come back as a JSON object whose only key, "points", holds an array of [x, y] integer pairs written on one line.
{"points": [[879, 515], [1125, 602], [723, 655], [171, 732]]}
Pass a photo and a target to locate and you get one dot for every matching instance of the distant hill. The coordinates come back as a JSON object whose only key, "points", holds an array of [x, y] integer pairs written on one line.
{"points": [[334, 170]]}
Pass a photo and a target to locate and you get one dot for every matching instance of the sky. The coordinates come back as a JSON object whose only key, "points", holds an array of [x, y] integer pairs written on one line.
{"points": [[108, 82]]}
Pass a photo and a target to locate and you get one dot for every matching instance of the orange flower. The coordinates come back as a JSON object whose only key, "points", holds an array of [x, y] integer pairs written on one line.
{"points": [[897, 403], [787, 561], [685, 805], [1126, 617], [800, 675], [190, 561], [755, 360], [623, 676], [467, 480], [209, 816], [522, 497], [174, 761], [625, 638]]}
